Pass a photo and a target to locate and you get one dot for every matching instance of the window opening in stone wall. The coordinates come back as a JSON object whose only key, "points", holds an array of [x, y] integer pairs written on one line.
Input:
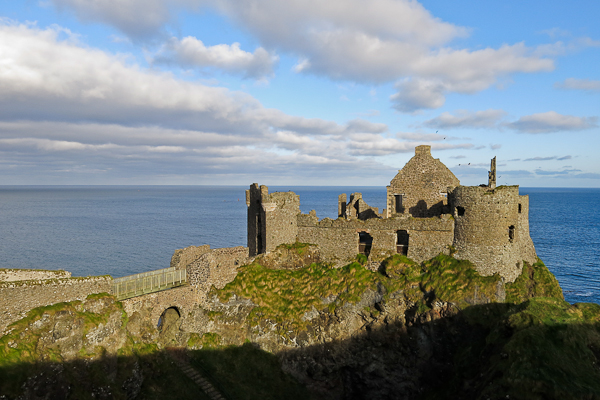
{"points": [[460, 211], [519, 209], [398, 203], [365, 242], [402, 242], [511, 233], [259, 241]]}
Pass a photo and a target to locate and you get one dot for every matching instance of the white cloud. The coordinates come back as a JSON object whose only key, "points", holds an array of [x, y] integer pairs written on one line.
{"points": [[552, 121], [44, 78], [376, 145], [376, 41], [138, 19], [579, 84], [191, 52], [414, 95], [66, 107], [466, 119]]}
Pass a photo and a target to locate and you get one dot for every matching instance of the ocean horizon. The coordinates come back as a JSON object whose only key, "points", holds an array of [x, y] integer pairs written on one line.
{"points": [[121, 230]]}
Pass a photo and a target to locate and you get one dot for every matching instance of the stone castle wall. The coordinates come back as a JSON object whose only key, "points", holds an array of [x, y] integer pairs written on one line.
{"points": [[492, 229], [280, 215], [210, 267], [338, 239], [182, 257], [19, 297]]}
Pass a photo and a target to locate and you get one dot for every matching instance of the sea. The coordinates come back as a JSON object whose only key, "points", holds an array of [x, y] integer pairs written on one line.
{"points": [[123, 230]]}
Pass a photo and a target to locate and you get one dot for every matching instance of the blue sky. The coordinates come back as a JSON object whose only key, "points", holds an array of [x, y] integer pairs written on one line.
{"points": [[297, 92]]}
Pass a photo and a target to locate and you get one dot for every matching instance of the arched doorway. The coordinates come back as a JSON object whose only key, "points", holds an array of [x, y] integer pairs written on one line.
{"points": [[168, 325]]}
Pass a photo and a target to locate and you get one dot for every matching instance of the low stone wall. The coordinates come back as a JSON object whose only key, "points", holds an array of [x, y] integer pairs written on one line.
{"points": [[338, 239], [19, 297], [10, 274]]}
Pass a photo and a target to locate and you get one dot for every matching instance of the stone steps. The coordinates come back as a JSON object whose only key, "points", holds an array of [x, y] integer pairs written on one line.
{"points": [[178, 356]]}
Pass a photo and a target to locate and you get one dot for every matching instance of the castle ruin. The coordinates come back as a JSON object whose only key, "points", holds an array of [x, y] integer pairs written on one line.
{"points": [[428, 212]]}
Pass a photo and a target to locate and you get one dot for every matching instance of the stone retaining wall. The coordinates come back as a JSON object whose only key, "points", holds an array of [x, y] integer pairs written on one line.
{"points": [[19, 297]]}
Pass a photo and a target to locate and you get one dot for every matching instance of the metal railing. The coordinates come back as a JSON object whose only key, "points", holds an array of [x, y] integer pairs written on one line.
{"points": [[148, 282]]}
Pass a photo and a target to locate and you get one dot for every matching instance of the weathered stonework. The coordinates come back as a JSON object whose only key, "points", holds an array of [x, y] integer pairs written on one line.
{"points": [[421, 187], [271, 218], [18, 297], [426, 215], [182, 257], [492, 229]]}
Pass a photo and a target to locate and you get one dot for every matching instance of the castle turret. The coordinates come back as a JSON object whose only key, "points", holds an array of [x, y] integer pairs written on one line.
{"points": [[492, 229]]}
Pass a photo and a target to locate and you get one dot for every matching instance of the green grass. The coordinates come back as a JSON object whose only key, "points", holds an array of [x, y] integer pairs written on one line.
{"points": [[457, 281], [284, 296], [247, 373], [298, 247], [535, 281]]}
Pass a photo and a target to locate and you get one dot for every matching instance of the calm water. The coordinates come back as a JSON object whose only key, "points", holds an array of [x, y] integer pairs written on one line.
{"points": [[120, 230]]}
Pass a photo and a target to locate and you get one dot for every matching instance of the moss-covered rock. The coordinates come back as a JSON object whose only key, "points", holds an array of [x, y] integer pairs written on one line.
{"points": [[535, 281]]}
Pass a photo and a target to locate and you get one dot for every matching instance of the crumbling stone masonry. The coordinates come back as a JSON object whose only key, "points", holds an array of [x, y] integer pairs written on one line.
{"points": [[18, 297], [428, 212]]}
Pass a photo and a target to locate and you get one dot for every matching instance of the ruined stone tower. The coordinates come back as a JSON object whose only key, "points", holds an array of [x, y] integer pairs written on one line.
{"points": [[491, 227], [272, 218], [420, 188]]}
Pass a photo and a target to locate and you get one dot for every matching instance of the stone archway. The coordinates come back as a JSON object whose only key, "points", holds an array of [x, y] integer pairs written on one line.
{"points": [[168, 325]]}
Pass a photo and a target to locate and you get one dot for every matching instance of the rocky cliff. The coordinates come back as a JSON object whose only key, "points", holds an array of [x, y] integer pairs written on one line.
{"points": [[414, 331]]}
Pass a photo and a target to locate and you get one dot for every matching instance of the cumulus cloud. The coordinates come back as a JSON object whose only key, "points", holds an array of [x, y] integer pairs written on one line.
{"points": [[191, 52], [377, 41], [138, 19], [87, 85], [416, 94], [587, 85], [552, 121], [467, 119], [73, 108]]}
